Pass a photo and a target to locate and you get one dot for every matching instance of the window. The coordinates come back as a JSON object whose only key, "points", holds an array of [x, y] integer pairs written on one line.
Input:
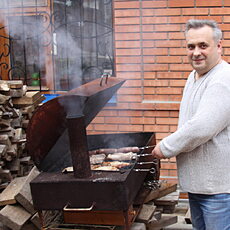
{"points": [[58, 44]]}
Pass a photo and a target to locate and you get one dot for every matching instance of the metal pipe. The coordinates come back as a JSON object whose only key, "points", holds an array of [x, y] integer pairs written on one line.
{"points": [[78, 146]]}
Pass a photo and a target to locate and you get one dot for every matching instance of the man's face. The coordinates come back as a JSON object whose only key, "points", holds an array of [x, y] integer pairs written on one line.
{"points": [[203, 52]]}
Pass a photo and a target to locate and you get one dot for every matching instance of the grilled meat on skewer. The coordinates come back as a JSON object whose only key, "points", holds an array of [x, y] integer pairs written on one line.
{"points": [[121, 156], [107, 151]]}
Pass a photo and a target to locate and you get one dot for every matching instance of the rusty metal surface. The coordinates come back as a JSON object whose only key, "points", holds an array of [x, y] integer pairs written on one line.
{"points": [[109, 190], [57, 130], [47, 138], [78, 146]]}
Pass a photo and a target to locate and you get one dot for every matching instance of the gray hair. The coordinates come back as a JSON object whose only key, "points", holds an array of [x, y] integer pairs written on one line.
{"points": [[196, 24]]}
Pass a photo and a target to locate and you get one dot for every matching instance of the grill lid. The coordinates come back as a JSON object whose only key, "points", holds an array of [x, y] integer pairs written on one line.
{"points": [[47, 136]]}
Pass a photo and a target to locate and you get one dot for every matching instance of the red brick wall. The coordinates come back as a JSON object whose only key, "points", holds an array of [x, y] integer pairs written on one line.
{"points": [[151, 56]]}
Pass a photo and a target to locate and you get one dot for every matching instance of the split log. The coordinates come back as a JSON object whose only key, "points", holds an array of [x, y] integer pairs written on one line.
{"points": [[16, 122], [167, 203], [163, 222], [146, 213], [5, 175], [10, 132], [14, 93], [14, 166], [28, 110], [164, 189], [4, 140], [7, 196], [16, 84], [11, 84], [6, 115], [23, 196], [3, 99], [4, 87], [36, 220], [3, 150], [25, 124], [170, 199], [29, 99], [5, 123], [12, 150], [14, 216], [18, 135]]}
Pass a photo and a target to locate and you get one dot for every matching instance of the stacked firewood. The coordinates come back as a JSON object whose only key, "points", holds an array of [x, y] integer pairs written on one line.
{"points": [[16, 206], [164, 207], [157, 210], [17, 105]]}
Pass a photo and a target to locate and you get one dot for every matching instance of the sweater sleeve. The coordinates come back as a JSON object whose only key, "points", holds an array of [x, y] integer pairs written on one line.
{"points": [[212, 116]]}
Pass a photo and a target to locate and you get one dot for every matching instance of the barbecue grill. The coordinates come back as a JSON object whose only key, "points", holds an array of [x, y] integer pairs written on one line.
{"points": [[56, 139]]}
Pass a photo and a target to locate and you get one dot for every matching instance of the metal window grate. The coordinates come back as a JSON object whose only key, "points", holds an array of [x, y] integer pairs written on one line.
{"points": [[56, 44]]}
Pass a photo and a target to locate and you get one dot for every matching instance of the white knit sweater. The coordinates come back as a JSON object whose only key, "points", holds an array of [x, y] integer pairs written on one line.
{"points": [[202, 140]]}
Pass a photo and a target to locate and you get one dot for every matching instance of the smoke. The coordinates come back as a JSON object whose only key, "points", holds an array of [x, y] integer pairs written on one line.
{"points": [[23, 35], [40, 42], [73, 105], [68, 55], [66, 46]]}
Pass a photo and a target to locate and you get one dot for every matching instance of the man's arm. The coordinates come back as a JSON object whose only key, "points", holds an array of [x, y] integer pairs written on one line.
{"points": [[157, 152], [212, 116]]}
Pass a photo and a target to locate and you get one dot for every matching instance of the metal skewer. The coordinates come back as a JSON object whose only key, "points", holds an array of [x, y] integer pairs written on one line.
{"points": [[146, 147], [148, 162], [152, 170], [144, 154], [136, 156]]}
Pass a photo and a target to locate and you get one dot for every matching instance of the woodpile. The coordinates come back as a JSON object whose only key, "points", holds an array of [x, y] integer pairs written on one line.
{"points": [[16, 202], [17, 211], [16, 108], [157, 203], [161, 210]]}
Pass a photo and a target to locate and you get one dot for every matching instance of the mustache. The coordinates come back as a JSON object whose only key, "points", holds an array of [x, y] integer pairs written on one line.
{"points": [[198, 58]]}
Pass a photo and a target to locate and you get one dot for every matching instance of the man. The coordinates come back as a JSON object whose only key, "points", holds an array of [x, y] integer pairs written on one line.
{"points": [[201, 143]]}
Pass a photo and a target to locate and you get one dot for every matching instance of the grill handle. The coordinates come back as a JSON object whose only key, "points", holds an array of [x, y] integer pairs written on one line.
{"points": [[104, 75], [79, 209]]}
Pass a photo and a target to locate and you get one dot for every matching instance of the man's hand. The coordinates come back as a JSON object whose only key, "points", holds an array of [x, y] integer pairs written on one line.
{"points": [[157, 152]]}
